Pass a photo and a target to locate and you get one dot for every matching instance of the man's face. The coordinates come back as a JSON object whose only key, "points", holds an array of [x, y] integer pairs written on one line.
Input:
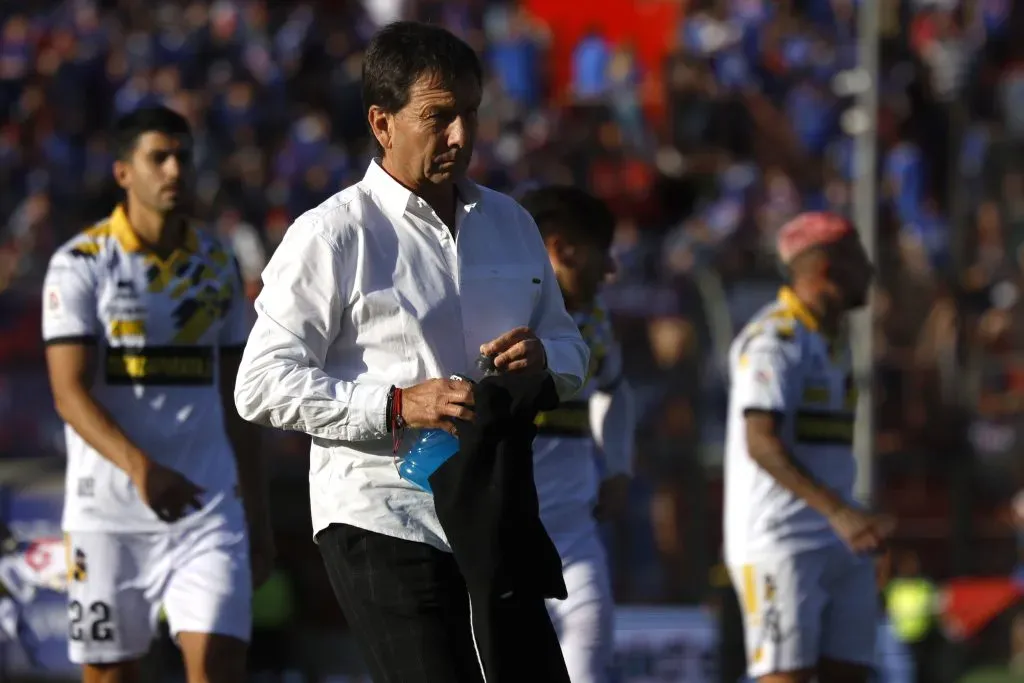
{"points": [[851, 271], [158, 175], [581, 269], [431, 138]]}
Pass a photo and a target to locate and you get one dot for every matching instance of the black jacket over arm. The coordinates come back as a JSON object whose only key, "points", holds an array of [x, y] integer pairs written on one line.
{"points": [[486, 501]]}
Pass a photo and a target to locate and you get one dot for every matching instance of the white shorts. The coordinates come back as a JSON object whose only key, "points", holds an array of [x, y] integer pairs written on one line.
{"points": [[117, 584], [584, 621], [800, 608]]}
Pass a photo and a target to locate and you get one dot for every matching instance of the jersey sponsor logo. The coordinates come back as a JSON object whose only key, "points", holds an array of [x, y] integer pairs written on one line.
{"points": [[160, 365], [817, 393], [569, 419], [824, 428]]}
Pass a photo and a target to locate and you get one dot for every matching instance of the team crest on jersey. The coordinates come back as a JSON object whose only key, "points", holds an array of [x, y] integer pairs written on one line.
{"points": [[77, 570]]}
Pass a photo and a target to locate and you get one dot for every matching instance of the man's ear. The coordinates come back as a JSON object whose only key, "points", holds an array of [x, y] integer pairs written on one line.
{"points": [[560, 250], [381, 126], [121, 174]]}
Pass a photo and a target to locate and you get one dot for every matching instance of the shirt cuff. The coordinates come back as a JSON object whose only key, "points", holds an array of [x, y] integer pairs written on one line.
{"points": [[372, 402], [567, 381]]}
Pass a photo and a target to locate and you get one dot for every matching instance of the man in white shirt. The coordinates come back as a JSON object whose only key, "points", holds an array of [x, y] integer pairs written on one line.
{"points": [[583, 454], [371, 302], [797, 544]]}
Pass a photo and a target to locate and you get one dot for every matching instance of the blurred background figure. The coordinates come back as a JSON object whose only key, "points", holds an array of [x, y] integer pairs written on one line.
{"points": [[911, 601]]}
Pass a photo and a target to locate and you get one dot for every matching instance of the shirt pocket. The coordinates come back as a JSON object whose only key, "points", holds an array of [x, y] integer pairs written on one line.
{"points": [[498, 298], [381, 332]]}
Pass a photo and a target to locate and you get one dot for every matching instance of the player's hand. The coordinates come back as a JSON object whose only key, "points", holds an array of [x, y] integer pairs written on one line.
{"points": [[862, 531], [436, 403], [612, 498], [168, 493], [516, 350]]}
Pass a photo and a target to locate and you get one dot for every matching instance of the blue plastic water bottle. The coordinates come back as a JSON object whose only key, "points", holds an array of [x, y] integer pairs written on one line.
{"points": [[435, 446], [428, 453]]}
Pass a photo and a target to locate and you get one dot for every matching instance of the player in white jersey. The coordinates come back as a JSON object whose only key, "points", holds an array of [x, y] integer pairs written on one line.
{"points": [[797, 545], [144, 322], [583, 451]]}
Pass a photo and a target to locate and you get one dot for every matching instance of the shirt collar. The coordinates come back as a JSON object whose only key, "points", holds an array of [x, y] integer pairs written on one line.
{"points": [[790, 301], [130, 242], [397, 199]]}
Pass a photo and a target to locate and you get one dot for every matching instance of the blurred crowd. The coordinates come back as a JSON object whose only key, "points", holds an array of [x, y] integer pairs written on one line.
{"points": [[747, 119]]}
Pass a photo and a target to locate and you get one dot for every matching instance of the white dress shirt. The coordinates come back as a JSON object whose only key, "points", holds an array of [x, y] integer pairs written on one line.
{"points": [[370, 289]]}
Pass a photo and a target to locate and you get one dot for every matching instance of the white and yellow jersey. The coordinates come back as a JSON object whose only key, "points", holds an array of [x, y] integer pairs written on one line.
{"points": [[585, 439], [158, 326], [781, 363]]}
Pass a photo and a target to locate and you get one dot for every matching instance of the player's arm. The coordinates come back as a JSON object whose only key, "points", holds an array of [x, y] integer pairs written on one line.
{"points": [[281, 380], [613, 424], [70, 331], [765, 381], [72, 365], [613, 416]]}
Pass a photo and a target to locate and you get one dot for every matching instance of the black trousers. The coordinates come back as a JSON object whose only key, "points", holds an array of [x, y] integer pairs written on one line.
{"points": [[406, 604]]}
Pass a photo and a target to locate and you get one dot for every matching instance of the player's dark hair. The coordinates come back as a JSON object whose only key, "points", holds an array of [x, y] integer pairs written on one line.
{"points": [[402, 52], [571, 213], [133, 125]]}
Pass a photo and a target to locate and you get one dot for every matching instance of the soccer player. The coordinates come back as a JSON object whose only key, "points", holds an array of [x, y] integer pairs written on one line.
{"points": [[144, 322], [797, 545], [584, 449]]}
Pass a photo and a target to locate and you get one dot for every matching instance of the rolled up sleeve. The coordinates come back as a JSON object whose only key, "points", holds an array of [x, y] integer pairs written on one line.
{"points": [[281, 381]]}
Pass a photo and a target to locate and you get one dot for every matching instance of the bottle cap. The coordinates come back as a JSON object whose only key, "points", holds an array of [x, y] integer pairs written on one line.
{"points": [[485, 364]]}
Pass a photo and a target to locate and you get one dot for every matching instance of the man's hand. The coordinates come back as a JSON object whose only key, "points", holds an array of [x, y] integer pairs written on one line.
{"points": [[516, 350], [167, 492], [862, 532], [612, 498], [436, 403]]}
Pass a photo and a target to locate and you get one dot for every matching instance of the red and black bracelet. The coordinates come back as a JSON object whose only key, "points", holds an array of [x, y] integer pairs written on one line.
{"points": [[395, 422]]}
